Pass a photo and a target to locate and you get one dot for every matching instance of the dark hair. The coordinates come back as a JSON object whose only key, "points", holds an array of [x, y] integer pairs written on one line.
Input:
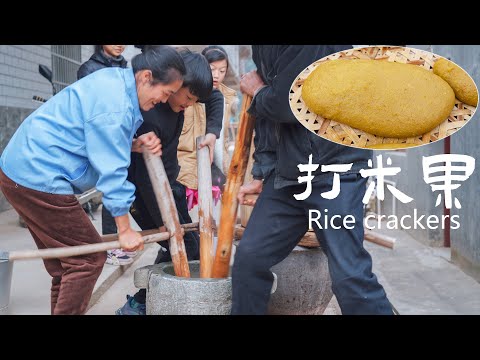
{"points": [[215, 53], [198, 78], [144, 48], [98, 48], [163, 61]]}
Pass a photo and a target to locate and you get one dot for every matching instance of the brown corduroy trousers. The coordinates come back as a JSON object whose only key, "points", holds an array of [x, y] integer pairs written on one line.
{"points": [[60, 221]]}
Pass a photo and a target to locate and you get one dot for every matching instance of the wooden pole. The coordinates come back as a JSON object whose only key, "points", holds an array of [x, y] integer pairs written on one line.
{"points": [[205, 209], [185, 227], [379, 239], [166, 203], [310, 239], [235, 177], [64, 252]]}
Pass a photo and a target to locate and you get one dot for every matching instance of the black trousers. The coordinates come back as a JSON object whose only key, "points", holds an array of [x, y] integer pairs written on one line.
{"points": [[108, 222], [277, 224], [143, 211]]}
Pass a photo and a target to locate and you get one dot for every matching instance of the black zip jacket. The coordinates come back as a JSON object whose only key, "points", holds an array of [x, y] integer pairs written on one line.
{"points": [[278, 66], [99, 61]]}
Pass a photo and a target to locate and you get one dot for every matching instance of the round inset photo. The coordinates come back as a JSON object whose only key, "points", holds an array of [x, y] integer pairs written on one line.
{"points": [[383, 97]]}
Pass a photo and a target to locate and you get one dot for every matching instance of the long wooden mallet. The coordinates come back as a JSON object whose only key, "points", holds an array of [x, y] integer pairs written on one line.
{"points": [[205, 209], [64, 252], [235, 177], [168, 210], [109, 242], [186, 227]]}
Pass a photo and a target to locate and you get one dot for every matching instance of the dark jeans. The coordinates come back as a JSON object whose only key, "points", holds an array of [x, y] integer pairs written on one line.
{"points": [[142, 215], [276, 225]]}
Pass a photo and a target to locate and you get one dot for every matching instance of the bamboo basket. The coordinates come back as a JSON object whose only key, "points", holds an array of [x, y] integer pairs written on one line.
{"points": [[346, 135]]}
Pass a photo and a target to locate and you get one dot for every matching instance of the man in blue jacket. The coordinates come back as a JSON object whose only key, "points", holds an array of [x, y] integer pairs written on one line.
{"points": [[279, 221]]}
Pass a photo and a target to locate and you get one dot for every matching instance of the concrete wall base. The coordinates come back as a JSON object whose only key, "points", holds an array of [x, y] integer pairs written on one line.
{"points": [[6, 268], [466, 265]]}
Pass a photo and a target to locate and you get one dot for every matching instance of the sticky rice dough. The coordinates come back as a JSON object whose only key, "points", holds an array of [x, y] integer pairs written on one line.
{"points": [[379, 97], [461, 83]]}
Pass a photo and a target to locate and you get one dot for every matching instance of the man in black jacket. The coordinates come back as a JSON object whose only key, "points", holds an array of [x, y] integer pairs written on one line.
{"points": [[262, 245]]}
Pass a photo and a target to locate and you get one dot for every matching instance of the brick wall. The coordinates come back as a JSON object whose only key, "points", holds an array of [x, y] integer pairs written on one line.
{"points": [[19, 81]]}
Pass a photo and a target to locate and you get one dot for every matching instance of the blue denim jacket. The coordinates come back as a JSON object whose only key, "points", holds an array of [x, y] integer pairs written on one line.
{"points": [[79, 139]]}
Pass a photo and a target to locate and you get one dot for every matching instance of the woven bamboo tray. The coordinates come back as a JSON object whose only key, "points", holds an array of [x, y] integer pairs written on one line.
{"points": [[346, 135]]}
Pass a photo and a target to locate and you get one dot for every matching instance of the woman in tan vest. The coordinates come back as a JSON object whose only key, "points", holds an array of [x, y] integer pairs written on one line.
{"points": [[218, 60], [198, 120]]}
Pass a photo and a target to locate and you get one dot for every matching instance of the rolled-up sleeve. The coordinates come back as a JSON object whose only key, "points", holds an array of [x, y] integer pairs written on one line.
{"points": [[108, 141]]}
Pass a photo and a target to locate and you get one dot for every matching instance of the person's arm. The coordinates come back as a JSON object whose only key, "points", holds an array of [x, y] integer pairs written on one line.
{"points": [[266, 142], [214, 107], [150, 141], [258, 138], [146, 127], [169, 149], [254, 187], [129, 239], [272, 101], [172, 155], [108, 144], [264, 159]]}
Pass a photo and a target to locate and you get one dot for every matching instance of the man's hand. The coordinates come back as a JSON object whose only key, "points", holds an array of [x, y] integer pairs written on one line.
{"points": [[209, 141], [149, 141], [250, 83], [130, 240], [253, 187]]}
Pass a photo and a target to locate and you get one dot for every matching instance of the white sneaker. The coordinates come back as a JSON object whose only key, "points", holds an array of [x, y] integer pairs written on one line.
{"points": [[117, 257], [129, 253]]}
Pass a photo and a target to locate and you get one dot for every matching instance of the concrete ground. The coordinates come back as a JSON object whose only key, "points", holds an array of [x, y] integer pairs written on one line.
{"points": [[30, 289], [115, 296], [421, 280], [418, 279]]}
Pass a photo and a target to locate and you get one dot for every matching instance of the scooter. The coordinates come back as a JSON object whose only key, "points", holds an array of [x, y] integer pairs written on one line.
{"points": [[47, 74]]}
